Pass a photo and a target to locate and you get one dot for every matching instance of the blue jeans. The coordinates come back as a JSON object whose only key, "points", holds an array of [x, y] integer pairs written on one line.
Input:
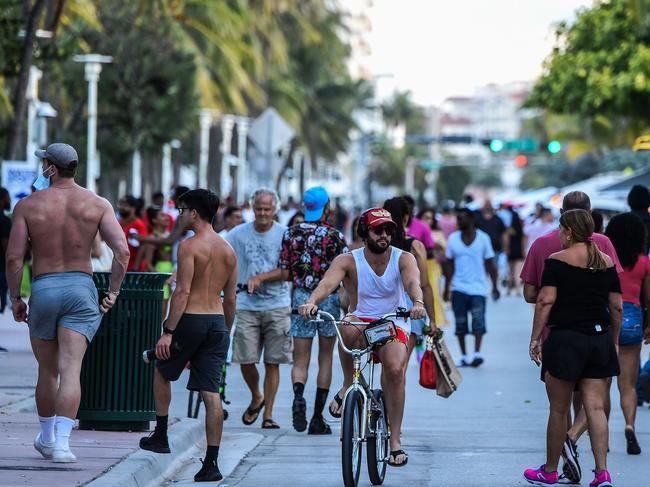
{"points": [[631, 326], [462, 304]]}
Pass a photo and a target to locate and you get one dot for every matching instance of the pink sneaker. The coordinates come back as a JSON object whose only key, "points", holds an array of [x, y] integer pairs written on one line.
{"points": [[541, 477], [602, 479]]}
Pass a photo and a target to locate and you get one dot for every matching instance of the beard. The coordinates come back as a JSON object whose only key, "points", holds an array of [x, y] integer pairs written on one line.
{"points": [[374, 246]]}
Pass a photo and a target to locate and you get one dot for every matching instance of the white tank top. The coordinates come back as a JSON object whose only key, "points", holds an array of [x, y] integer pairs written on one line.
{"points": [[380, 295]]}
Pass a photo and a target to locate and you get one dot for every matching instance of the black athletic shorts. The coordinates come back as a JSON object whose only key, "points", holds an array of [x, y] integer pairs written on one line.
{"points": [[203, 341], [571, 355]]}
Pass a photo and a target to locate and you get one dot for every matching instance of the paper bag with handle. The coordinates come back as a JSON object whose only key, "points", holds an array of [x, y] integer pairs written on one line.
{"points": [[447, 375]]}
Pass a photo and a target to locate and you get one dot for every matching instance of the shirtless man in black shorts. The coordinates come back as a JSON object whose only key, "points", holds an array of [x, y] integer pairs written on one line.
{"points": [[199, 325]]}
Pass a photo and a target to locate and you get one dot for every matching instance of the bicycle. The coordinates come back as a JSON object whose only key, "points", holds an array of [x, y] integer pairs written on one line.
{"points": [[364, 417]]}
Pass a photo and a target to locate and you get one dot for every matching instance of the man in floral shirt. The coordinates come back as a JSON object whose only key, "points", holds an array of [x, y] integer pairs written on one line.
{"points": [[308, 249]]}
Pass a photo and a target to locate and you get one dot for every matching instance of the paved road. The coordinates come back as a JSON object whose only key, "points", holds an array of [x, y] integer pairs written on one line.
{"points": [[485, 435]]}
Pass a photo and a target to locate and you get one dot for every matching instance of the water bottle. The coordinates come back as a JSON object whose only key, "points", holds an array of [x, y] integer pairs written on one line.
{"points": [[149, 356]]}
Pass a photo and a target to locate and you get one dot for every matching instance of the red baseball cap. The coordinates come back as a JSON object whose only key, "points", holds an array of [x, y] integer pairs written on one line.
{"points": [[378, 216]]}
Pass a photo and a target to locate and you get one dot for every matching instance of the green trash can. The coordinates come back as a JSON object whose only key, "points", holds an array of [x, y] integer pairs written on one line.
{"points": [[116, 384]]}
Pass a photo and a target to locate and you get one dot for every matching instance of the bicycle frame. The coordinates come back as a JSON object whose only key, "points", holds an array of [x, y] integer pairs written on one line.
{"points": [[357, 384]]}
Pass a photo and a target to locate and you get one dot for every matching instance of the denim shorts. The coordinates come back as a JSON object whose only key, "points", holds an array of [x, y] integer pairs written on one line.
{"points": [[462, 304], [307, 329], [631, 326]]}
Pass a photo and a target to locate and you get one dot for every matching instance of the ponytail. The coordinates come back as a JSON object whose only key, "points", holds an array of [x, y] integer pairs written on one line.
{"points": [[595, 259]]}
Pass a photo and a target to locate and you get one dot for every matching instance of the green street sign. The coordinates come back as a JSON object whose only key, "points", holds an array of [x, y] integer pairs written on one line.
{"points": [[522, 145]]}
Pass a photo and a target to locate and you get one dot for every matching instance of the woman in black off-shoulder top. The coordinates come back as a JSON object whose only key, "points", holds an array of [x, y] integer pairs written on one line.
{"points": [[580, 299]]}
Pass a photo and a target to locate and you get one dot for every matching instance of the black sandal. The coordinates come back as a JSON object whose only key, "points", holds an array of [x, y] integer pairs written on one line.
{"points": [[339, 402], [394, 454], [251, 411], [269, 424], [633, 447]]}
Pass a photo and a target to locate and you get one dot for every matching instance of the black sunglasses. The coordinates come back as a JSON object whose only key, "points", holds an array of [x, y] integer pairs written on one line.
{"points": [[387, 229]]}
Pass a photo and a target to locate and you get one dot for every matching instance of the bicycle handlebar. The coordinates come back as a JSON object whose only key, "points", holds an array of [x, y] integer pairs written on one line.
{"points": [[399, 313]]}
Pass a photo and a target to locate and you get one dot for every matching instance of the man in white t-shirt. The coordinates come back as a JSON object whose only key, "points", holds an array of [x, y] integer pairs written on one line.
{"points": [[470, 255]]}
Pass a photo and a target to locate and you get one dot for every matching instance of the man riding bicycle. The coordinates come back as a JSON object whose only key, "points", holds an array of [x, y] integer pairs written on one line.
{"points": [[376, 277]]}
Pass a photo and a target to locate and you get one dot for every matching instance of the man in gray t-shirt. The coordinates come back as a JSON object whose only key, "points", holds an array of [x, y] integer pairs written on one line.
{"points": [[264, 316]]}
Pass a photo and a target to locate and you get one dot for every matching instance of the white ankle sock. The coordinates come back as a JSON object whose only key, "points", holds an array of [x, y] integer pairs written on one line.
{"points": [[47, 428], [477, 355], [63, 429]]}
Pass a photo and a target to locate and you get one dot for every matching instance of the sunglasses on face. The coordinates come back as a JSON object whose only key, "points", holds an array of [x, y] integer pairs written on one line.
{"points": [[389, 230]]}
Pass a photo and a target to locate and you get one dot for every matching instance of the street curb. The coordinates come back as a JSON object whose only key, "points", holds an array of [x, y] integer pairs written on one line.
{"points": [[146, 469]]}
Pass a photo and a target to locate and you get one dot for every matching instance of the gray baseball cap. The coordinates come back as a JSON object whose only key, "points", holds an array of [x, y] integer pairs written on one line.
{"points": [[61, 155]]}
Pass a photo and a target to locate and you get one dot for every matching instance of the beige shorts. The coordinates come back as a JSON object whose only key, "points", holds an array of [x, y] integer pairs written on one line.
{"points": [[257, 330]]}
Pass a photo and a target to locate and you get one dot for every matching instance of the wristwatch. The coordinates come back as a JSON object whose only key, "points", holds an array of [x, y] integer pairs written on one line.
{"points": [[419, 301], [168, 331], [16, 298]]}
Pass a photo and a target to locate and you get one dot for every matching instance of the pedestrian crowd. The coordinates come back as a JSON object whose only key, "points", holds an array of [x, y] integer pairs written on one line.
{"points": [[237, 272]]}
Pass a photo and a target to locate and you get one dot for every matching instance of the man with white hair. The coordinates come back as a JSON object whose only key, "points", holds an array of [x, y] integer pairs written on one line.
{"points": [[263, 314]]}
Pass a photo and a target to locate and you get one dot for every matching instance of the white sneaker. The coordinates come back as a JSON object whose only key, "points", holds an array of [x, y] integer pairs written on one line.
{"points": [[462, 362], [63, 455], [42, 447]]}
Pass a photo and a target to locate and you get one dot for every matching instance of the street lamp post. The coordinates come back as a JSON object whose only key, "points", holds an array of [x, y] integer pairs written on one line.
{"points": [[93, 66], [205, 122]]}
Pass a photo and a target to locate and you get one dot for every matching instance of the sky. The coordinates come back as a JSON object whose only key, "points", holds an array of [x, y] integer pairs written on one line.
{"points": [[442, 48]]}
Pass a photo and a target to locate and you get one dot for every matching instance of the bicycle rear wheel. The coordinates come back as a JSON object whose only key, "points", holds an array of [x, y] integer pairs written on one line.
{"points": [[351, 439], [378, 441]]}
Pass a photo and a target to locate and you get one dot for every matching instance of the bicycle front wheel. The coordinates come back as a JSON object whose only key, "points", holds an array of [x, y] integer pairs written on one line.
{"points": [[378, 441], [351, 439]]}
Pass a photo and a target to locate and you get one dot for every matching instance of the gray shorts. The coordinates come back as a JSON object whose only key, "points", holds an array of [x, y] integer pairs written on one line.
{"points": [[262, 330], [67, 299]]}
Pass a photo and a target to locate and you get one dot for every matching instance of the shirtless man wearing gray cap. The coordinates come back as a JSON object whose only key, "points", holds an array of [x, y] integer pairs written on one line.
{"points": [[60, 222]]}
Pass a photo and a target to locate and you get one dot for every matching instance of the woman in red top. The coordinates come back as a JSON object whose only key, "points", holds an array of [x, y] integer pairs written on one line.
{"points": [[628, 234]]}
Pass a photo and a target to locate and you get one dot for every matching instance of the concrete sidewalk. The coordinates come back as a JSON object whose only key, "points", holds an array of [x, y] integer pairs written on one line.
{"points": [[104, 458]]}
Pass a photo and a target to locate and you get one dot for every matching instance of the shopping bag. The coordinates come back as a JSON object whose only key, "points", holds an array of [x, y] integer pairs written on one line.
{"points": [[428, 368], [447, 376]]}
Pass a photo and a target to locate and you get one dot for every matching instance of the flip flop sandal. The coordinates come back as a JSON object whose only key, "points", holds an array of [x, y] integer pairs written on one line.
{"points": [[269, 424], [394, 454], [339, 402], [254, 412]]}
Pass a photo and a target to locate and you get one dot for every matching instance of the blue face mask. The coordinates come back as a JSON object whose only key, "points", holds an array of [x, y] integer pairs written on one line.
{"points": [[42, 182]]}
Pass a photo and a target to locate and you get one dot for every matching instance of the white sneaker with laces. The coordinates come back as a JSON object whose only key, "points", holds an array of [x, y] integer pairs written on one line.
{"points": [[43, 448], [63, 455]]}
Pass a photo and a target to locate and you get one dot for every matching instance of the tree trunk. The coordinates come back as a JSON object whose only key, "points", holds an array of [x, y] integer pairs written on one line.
{"points": [[19, 102], [287, 163]]}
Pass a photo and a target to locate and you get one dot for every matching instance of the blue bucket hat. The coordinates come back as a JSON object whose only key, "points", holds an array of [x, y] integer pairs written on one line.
{"points": [[315, 199]]}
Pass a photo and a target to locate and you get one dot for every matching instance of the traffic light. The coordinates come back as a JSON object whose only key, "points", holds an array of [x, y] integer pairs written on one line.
{"points": [[554, 146], [496, 145], [521, 161]]}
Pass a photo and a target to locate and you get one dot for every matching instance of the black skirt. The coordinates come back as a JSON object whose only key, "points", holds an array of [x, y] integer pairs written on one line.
{"points": [[571, 355]]}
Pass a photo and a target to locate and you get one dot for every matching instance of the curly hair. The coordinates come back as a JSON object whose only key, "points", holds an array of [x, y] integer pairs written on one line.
{"points": [[628, 235]]}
